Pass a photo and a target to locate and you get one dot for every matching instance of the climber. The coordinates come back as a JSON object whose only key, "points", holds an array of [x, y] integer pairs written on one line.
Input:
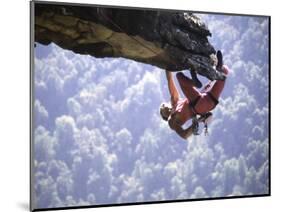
{"points": [[196, 103]]}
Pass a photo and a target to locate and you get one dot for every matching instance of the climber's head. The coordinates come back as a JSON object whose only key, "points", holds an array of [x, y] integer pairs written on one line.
{"points": [[165, 111], [214, 60]]}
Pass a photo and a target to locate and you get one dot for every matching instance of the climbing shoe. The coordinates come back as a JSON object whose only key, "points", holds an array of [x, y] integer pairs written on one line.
{"points": [[220, 60]]}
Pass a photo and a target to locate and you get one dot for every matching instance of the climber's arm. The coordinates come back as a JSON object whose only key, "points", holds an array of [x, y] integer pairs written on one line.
{"points": [[172, 88], [184, 133]]}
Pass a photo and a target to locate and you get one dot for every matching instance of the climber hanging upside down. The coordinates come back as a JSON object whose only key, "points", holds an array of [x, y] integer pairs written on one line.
{"points": [[197, 103]]}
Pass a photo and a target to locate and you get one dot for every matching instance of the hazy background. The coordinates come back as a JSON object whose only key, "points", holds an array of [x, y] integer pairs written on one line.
{"points": [[99, 137]]}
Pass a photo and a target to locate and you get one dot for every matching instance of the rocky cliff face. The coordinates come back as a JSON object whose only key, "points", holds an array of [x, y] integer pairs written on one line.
{"points": [[169, 40]]}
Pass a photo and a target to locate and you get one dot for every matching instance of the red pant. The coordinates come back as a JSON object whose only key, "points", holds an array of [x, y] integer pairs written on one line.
{"points": [[205, 103]]}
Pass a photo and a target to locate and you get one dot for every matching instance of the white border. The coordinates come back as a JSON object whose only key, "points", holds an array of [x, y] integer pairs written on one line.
{"points": [[14, 113]]}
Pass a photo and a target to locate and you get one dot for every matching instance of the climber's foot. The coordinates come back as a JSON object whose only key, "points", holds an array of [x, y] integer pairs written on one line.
{"points": [[220, 60]]}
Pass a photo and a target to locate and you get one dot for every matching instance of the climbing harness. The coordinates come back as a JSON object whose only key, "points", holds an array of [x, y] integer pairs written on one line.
{"points": [[193, 103]]}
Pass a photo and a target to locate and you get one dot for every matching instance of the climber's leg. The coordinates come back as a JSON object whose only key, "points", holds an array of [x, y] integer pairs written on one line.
{"points": [[187, 86], [219, 84]]}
